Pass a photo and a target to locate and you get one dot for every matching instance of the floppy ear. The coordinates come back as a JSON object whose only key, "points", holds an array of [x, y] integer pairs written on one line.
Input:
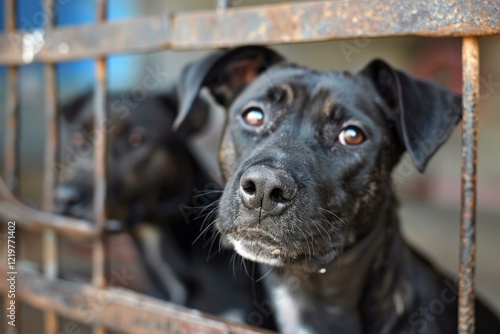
{"points": [[225, 73], [196, 119], [71, 108], [424, 113]]}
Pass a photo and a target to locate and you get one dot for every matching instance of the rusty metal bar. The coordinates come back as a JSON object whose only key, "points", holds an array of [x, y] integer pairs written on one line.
{"points": [[38, 221], [12, 209], [12, 138], [270, 24], [119, 310], [223, 4], [90, 41], [11, 163], [100, 181], [11, 156], [466, 307], [50, 259], [329, 20]]}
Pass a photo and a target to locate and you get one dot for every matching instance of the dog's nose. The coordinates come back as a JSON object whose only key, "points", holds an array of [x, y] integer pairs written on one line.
{"points": [[66, 197], [267, 188]]}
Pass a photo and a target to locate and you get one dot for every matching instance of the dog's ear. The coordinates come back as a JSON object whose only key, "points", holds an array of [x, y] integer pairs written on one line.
{"points": [[423, 113], [71, 108], [225, 73], [196, 119]]}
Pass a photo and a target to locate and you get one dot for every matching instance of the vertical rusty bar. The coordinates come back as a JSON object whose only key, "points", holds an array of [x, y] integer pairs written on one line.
{"points": [[12, 130], [470, 63], [11, 161], [100, 181], [50, 262], [223, 4]]}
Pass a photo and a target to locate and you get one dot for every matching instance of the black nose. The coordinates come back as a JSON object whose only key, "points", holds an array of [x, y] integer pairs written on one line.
{"points": [[66, 197], [267, 188]]}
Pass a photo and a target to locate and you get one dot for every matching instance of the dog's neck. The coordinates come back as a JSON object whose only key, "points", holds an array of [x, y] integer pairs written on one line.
{"points": [[333, 298]]}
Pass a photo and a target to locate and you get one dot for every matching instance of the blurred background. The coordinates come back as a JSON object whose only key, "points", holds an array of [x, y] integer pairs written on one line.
{"points": [[429, 203]]}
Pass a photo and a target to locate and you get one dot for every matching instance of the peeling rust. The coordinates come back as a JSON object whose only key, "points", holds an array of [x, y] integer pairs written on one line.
{"points": [[330, 20], [269, 24], [116, 309]]}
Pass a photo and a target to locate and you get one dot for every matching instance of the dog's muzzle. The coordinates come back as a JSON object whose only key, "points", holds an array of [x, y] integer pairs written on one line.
{"points": [[269, 189]]}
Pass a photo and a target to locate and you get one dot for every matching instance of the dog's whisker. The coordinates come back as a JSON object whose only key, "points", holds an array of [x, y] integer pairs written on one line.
{"points": [[318, 226], [220, 247], [199, 207], [264, 275], [214, 210], [215, 234], [328, 222], [233, 263], [308, 248], [203, 232], [246, 269], [203, 209], [333, 214], [208, 192]]}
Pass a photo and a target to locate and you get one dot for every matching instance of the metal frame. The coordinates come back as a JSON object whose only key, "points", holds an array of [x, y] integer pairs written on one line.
{"points": [[270, 24]]}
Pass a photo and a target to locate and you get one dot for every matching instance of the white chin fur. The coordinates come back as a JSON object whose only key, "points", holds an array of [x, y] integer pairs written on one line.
{"points": [[240, 248]]}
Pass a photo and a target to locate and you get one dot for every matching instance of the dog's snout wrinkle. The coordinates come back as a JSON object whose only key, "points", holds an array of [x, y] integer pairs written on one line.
{"points": [[267, 189]]}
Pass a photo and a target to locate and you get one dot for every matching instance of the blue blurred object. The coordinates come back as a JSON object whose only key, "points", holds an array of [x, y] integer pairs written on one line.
{"points": [[72, 77], [78, 76]]}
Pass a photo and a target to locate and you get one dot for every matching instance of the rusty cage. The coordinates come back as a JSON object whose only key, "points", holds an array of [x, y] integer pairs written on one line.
{"points": [[223, 27]]}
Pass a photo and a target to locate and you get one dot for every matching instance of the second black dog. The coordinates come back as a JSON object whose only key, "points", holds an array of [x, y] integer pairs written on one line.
{"points": [[152, 178]]}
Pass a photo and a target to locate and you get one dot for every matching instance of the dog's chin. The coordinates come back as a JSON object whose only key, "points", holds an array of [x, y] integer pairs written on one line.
{"points": [[276, 255], [258, 252]]}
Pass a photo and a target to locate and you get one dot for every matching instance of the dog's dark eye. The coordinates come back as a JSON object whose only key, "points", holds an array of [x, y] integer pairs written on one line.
{"points": [[253, 116], [351, 135], [78, 138], [135, 139]]}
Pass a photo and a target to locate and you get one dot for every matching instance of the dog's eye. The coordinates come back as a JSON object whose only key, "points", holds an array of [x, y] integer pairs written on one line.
{"points": [[253, 116], [351, 135], [78, 138], [135, 139]]}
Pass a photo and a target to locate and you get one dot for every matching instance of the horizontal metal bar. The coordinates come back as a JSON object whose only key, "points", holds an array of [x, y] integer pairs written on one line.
{"points": [[38, 220], [86, 41], [117, 309], [269, 24], [12, 209], [331, 20]]}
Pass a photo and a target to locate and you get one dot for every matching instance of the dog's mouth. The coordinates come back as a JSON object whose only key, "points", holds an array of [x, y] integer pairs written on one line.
{"points": [[259, 246]]}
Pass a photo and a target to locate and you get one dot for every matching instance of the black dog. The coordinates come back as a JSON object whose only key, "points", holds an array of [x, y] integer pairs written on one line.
{"points": [[152, 178], [306, 157]]}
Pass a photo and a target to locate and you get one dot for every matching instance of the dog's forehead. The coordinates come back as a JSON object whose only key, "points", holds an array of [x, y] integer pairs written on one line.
{"points": [[328, 88], [150, 114]]}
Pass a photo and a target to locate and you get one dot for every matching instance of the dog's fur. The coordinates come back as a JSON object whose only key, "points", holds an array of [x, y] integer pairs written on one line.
{"points": [[152, 178], [320, 212]]}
